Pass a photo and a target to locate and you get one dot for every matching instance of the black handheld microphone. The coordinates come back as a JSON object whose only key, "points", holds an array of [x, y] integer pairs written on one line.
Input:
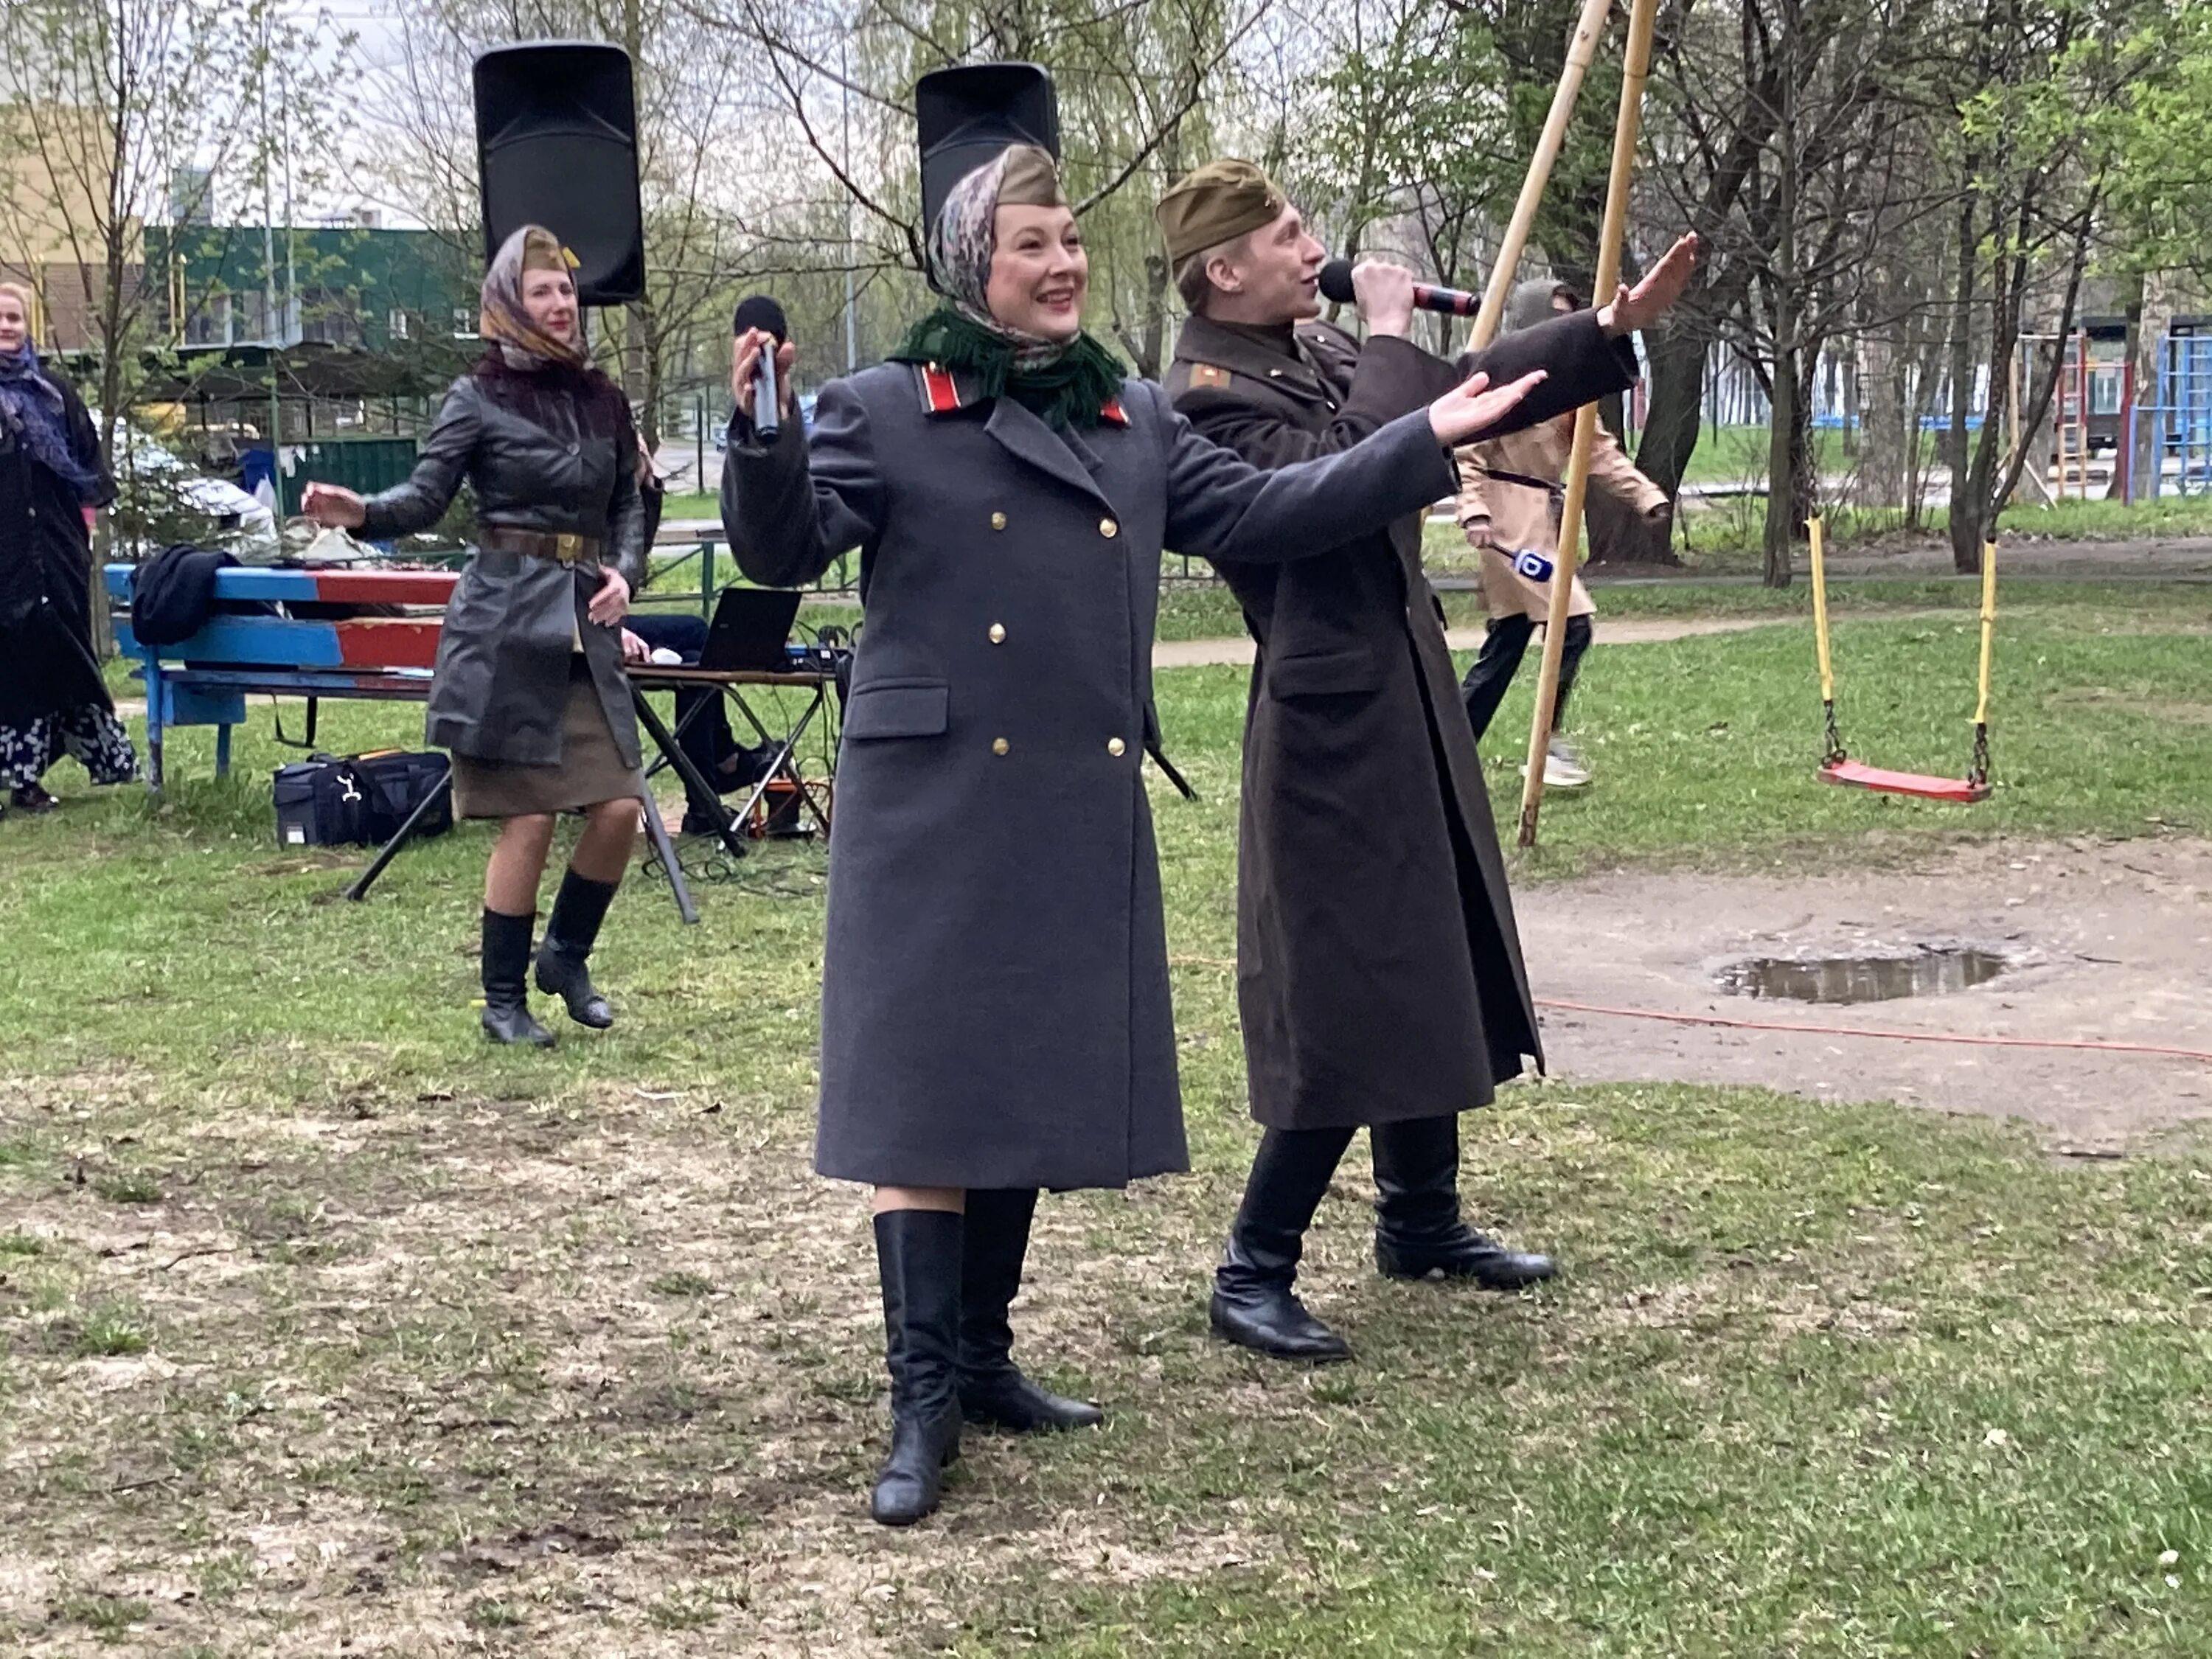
{"points": [[1336, 284], [758, 311]]}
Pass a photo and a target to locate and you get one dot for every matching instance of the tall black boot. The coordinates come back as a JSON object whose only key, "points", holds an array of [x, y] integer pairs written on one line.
{"points": [[918, 1255], [1253, 1303], [993, 1390], [506, 988], [570, 932], [1418, 1231]]}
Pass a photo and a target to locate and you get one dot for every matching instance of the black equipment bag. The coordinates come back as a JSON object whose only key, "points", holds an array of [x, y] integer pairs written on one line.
{"points": [[359, 800]]}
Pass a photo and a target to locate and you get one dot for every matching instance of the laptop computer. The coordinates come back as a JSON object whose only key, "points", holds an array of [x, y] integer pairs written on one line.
{"points": [[750, 628]]}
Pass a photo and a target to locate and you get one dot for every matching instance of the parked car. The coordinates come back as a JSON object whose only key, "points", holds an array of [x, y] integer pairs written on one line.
{"points": [[166, 500], [805, 420]]}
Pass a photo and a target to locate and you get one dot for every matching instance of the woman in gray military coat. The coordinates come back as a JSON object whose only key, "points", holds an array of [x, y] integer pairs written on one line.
{"points": [[995, 1014], [530, 694]]}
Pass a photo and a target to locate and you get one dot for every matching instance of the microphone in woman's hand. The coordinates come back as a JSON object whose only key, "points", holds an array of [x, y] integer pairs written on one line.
{"points": [[760, 312]]}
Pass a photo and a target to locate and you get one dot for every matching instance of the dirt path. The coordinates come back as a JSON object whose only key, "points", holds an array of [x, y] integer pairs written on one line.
{"points": [[1624, 631], [2102, 941]]}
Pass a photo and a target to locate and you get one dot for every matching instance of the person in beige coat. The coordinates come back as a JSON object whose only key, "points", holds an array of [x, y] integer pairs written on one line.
{"points": [[1508, 507]]}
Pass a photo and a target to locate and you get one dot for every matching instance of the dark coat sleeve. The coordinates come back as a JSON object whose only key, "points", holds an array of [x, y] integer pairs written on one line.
{"points": [[1394, 377], [440, 467], [1581, 365], [792, 507], [1223, 509], [84, 445]]}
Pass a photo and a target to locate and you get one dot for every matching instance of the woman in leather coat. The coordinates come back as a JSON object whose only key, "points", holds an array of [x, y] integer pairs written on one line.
{"points": [[530, 696]]}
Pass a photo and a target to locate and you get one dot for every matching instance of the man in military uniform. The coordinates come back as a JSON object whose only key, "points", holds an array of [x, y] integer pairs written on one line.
{"points": [[1379, 972]]}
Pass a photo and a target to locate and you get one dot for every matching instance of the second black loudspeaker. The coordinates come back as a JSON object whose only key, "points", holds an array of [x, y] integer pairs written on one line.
{"points": [[556, 146]]}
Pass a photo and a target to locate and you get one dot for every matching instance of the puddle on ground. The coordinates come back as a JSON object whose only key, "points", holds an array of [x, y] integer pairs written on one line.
{"points": [[1861, 979]]}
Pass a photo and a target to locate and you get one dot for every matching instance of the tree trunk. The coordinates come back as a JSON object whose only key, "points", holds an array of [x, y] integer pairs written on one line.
{"points": [[1805, 495], [1785, 429], [1962, 362], [2146, 338], [1885, 425], [1781, 469], [1677, 373], [114, 332]]}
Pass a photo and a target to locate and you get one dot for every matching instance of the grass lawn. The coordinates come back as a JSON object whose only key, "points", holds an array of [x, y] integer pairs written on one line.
{"points": [[698, 504], [1724, 537], [321, 1323], [1738, 454]]}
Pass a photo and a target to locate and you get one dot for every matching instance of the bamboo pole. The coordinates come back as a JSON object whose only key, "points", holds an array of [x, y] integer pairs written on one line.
{"points": [[1635, 69], [1817, 534], [1582, 49], [1978, 773], [1989, 632]]}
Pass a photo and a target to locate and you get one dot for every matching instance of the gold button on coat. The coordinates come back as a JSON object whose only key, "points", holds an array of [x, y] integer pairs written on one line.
{"points": [[999, 745], [1108, 528], [1115, 747], [997, 634], [997, 521]]}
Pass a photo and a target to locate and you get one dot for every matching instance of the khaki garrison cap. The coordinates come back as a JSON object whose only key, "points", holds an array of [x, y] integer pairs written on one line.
{"points": [[1217, 203]]}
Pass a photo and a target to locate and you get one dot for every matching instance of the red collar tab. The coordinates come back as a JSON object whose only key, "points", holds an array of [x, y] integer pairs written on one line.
{"points": [[940, 392]]}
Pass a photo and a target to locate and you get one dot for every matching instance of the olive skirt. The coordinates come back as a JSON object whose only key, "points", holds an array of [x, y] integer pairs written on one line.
{"points": [[590, 770]]}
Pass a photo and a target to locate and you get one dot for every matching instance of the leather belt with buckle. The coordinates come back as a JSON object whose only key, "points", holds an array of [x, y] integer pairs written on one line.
{"points": [[563, 547]]}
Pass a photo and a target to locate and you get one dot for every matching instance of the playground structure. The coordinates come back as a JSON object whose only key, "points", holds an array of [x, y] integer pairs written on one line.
{"points": [[2100, 407], [2181, 416]]}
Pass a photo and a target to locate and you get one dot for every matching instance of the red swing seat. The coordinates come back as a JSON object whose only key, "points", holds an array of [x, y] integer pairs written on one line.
{"points": [[1862, 776]]}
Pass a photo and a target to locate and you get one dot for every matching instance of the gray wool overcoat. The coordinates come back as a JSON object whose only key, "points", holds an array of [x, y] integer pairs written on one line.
{"points": [[995, 997]]}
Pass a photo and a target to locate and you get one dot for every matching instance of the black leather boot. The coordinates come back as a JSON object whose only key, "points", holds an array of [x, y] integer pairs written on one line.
{"points": [[506, 988], [1418, 1231], [1253, 1303], [993, 1390], [918, 1257], [570, 932]]}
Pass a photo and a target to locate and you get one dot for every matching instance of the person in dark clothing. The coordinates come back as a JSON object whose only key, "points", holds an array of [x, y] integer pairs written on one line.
{"points": [[1379, 971], [53, 700], [995, 1008], [705, 736], [530, 694]]}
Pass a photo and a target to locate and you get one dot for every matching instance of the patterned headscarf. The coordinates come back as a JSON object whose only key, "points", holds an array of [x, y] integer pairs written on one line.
{"points": [[503, 318], [33, 412], [965, 235]]}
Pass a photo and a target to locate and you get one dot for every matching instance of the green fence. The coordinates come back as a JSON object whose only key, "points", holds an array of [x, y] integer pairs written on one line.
{"points": [[365, 464]]}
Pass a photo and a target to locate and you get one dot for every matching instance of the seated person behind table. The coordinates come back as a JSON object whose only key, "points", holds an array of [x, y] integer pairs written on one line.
{"points": [[706, 739]]}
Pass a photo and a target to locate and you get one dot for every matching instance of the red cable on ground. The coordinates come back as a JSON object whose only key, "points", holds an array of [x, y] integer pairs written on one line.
{"points": [[1732, 1023], [2198, 1054]]}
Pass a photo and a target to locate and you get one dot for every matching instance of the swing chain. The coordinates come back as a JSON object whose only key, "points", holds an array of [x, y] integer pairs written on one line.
{"points": [[1980, 772], [1835, 738]]}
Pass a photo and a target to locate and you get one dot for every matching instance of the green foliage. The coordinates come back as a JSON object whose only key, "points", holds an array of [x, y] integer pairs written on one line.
{"points": [[2156, 142]]}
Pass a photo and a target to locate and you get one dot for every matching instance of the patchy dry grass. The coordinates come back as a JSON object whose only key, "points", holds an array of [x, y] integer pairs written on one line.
{"points": [[325, 1329]]}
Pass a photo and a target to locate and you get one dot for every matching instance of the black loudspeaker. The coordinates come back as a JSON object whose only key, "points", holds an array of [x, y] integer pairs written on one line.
{"points": [[556, 146], [965, 115]]}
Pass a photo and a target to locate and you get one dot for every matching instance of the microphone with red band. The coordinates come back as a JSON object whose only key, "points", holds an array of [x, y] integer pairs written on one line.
{"points": [[1336, 285]]}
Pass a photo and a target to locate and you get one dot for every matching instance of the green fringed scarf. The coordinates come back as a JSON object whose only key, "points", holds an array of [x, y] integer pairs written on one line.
{"points": [[1067, 392]]}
